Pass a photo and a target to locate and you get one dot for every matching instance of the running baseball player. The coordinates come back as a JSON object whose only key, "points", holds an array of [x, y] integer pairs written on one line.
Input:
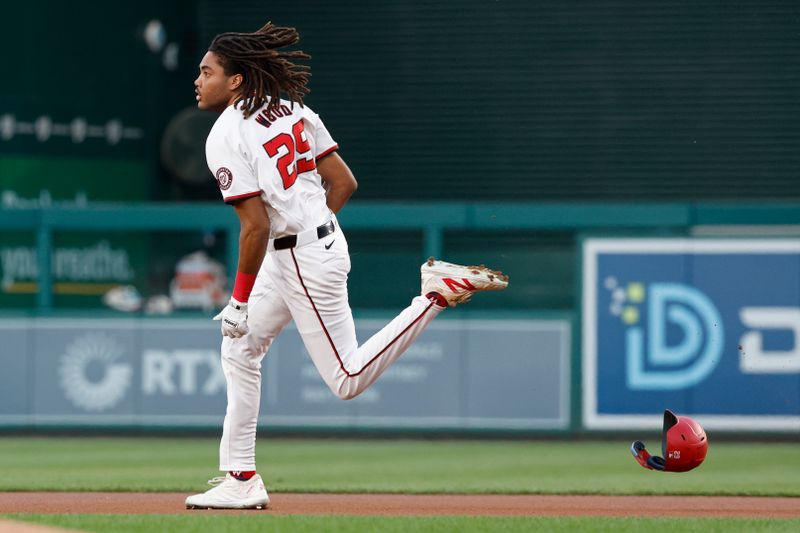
{"points": [[278, 166]]}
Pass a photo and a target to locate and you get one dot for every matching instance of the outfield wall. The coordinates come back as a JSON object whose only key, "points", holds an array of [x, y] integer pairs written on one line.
{"points": [[664, 322]]}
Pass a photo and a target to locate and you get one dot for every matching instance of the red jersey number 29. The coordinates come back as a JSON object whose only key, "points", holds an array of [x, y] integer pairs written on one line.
{"points": [[291, 163]]}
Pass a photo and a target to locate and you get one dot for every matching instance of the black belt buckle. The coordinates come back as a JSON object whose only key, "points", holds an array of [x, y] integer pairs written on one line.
{"points": [[290, 241]]}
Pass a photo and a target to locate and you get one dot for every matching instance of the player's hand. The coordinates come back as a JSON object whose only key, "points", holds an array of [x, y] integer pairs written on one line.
{"points": [[234, 319]]}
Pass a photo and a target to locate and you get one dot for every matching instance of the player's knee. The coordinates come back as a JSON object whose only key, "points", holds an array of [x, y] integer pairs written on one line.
{"points": [[348, 395], [346, 389]]}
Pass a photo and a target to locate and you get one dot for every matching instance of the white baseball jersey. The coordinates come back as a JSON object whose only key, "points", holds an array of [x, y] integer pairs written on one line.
{"points": [[273, 154]]}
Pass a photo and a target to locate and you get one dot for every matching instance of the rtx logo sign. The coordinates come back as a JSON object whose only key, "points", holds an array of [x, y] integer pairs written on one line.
{"points": [[96, 372], [184, 372]]}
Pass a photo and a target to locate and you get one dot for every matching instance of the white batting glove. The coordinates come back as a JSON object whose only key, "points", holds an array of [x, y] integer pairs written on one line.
{"points": [[234, 319]]}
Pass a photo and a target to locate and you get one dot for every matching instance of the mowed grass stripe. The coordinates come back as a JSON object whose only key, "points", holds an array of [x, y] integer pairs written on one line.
{"points": [[263, 522], [401, 466]]}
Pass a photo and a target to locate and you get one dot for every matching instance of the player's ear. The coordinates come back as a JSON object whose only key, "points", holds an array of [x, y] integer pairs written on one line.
{"points": [[236, 81]]}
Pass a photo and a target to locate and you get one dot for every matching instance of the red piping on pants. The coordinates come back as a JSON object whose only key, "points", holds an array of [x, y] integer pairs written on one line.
{"points": [[333, 346]]}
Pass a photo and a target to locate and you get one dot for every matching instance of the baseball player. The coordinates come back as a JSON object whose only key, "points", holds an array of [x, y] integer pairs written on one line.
{"points": [[277, 165]]}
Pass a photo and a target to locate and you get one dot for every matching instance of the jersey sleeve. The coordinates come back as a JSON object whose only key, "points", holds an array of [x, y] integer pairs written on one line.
{"points": [[235, 176], [323, 142]]}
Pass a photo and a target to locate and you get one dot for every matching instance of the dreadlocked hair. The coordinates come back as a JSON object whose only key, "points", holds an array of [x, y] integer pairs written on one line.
{"points": [[266, 70]]}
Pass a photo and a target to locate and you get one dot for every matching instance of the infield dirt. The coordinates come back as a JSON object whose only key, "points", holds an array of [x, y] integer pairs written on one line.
{"points": [[416, 504]]}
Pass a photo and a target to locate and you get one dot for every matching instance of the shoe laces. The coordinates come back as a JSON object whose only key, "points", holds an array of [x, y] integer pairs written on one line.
{"points": [[217, 480]]}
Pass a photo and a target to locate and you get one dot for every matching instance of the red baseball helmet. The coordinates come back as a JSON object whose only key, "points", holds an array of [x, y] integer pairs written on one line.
{"points": [[683, 444]]}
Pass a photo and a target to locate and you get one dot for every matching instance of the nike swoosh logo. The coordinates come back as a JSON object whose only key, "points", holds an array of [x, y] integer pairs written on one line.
{"points": [[328, 246]]}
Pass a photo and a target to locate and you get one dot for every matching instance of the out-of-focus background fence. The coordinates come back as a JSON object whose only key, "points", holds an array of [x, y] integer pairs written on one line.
{"points": [[632, 167]]}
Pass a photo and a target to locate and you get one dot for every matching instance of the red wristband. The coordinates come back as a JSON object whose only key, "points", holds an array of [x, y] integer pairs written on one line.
{"points": [[243, 286]]}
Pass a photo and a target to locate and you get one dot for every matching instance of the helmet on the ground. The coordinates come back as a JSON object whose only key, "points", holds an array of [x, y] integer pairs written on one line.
{"points": [[683, 443]]}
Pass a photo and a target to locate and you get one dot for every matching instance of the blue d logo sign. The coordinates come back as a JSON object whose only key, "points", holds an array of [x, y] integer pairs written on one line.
{"points": [[661, 366]]}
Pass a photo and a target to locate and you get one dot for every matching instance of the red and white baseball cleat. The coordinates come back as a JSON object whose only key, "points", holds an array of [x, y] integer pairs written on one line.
{"points": [[230, 493], [457, 283]]}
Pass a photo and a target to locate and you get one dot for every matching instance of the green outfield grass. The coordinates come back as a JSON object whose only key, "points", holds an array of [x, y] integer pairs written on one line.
{"points": [[547, 467], [375, 524]]}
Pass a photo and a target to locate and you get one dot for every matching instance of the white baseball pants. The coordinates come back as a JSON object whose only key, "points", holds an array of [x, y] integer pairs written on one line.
{"points": [[307, 284]]}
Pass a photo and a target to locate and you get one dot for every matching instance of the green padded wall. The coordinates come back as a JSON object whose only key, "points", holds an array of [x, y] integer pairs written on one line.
{"points": [[551, 100]]}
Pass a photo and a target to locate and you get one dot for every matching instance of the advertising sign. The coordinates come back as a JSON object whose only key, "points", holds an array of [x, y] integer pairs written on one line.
{"points": [[705, 327], [460, 374]]}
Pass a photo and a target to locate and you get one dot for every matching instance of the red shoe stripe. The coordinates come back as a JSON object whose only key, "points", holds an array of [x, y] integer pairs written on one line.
{"points": [[463, 284], [330, 340]]}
